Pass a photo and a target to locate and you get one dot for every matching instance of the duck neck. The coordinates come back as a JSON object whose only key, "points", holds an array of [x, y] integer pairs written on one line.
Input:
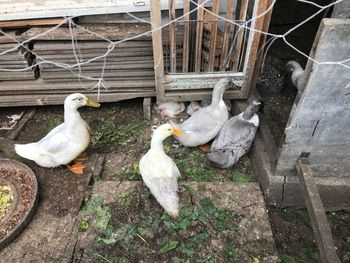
{"points": [[217, 97], [71, 116], [157, 143]]}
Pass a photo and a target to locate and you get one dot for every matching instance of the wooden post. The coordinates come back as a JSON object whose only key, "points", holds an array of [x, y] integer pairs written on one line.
{"points": [[157, 48], [172, 36], [228, 31], [240, 34], [147, 106], [213, 35], [186, 44], [320, 226], [199, 37], [253, 45]]}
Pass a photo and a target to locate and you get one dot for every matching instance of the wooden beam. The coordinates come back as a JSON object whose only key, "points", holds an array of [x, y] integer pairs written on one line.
{"points": [[199, 37], [172, 36], [157, 48], [240, 34], [253, 45], [320, 226], [228, 31], [186, 44], [213, 35], [32, 22], [147, 108], [28, 115]]}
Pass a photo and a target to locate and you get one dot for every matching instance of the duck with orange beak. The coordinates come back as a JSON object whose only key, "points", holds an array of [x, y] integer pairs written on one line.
{"points": [[159, 171], [64, 143]]}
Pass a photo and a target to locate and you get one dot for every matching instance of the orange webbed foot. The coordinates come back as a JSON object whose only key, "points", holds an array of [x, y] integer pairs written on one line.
{"points": [[81, 157], [205, 148], [77, 167]]}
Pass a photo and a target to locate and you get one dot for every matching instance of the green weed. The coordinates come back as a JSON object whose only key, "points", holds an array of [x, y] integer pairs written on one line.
{"points": [[95, 208]]}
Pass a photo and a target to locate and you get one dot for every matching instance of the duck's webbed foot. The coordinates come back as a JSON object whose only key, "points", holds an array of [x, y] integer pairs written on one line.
{"points": [[77, 167], [205, 148]]}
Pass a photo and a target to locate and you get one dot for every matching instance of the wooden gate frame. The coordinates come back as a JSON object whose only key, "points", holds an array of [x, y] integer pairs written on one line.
{"points": [[206, 80]]}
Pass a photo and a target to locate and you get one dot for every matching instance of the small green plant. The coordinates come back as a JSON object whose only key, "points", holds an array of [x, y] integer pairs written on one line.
{"points": [[230, 255], [95, 208], [239, 177], [169, 246], [84, 225]]}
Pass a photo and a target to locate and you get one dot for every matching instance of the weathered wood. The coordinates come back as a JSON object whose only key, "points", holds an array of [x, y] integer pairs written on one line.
{"points": [[199, 37], [32, 22], [115, 32], [324, 88], [172, 36], [228, 32], [147, 108], [253, 45], [240, 34], [157, 48], [258, 62], [186, 44], [213, 36], [199, 95], [320, 226], [28, 115], [341, 10]]}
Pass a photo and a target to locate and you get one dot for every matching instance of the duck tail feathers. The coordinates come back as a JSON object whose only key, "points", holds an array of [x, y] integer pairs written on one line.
{"points": [[26, 150]]}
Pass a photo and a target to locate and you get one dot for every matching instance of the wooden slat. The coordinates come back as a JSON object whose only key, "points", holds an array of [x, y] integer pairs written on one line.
{"points": [[240, 34], [199, 37], [213, 35], [157, 48], [172, 36], [41, 100], [186, 44], [228, 31], [314, 205], [199, 95], [32, 22], [253, 45]]}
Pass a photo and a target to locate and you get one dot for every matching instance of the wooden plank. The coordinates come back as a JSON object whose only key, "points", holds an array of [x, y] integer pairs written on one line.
{"points": [[147, 106], [240, 34], [115, 32], [45, 99], [253, 45], [32, 22], [228, 31], [28, 115], [320, 226], [199, 95], [258, 62], [186, 44], [157, 48], [172, 36], [199, 37], [213, 35]]}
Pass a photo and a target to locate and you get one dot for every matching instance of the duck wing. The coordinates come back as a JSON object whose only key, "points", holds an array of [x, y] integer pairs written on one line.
{"points": [[55, 141], [202, 121], [236, 134]]}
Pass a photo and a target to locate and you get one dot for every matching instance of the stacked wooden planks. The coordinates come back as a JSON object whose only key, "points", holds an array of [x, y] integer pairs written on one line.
{"points": [[90, 64], [16, 62]]}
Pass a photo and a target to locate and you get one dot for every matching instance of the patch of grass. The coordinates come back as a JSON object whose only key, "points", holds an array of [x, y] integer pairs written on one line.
{"points": [[106, 132], [95, 210], [239, 177], [288, 259]]}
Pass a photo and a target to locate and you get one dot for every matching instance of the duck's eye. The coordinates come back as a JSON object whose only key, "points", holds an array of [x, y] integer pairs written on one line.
{"points": [[169, 129], [80, 99]]}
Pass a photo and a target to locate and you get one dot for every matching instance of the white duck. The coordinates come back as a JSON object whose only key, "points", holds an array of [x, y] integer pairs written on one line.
{"points": [[205, 123], [159, 171], [235, 137], [297, 73], [65, 142], [171, 109]]}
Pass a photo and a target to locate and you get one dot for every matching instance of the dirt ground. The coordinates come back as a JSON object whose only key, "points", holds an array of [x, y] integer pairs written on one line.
{"points": [[120, 131]]}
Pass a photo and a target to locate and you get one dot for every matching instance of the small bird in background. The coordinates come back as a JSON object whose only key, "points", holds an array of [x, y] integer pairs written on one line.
{"points": [[193, 107], [297, 72], [235, 137], [171, 109], [64, 143], [159, 171]]}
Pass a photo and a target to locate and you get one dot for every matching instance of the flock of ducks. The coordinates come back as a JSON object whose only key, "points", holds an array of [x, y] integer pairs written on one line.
{"points": [[232, 138]]}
